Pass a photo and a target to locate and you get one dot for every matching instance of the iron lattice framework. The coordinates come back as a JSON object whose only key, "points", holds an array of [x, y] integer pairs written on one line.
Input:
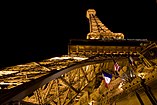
{"points": [[75, 79], [98, 30]]}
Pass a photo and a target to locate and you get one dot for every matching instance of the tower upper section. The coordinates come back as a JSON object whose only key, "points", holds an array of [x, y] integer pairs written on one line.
{"points": [[98, 30]]}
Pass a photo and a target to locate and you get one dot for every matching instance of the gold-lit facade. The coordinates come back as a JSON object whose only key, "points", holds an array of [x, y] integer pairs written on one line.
{"points": [[75, 78]]}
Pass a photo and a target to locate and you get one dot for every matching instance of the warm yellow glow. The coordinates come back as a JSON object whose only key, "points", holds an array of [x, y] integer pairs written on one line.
{"points": [[87, 67], [91, 103], [7, 72], [10, 83], [120, 86], [80, 58], [61, 58], [142, 75]]}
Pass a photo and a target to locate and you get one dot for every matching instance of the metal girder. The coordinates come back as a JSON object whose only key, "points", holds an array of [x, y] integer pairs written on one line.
{"points": [[69, 85], [98, 30], [72, 70], [74, 82]]}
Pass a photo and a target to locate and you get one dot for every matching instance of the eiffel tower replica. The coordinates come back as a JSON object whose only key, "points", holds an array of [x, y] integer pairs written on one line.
{"points": [[76, 78]]}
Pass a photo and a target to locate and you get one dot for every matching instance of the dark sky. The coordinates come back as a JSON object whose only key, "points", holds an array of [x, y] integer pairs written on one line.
{"points": [[32, 31]]}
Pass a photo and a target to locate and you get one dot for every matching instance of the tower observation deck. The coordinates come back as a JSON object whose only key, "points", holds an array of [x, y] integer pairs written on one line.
{"points": [[76, 78]]}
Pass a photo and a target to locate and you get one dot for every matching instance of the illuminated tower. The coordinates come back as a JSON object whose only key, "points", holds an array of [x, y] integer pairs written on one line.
{"points": [[98, 30], [76, 78]]}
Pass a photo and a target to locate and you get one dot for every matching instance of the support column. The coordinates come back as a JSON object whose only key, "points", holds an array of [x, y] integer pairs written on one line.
{"points": [[148, 92], [139, 98]]}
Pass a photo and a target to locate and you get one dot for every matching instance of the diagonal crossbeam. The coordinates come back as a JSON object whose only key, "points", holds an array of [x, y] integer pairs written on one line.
{"points": [[69, 85]]}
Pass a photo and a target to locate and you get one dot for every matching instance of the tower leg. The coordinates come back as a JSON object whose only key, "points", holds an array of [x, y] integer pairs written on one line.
{"points": [[139, 98], [148, 92]]}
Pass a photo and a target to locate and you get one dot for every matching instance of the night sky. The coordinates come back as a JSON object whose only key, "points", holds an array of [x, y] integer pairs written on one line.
{"points": [[32, 31]]}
